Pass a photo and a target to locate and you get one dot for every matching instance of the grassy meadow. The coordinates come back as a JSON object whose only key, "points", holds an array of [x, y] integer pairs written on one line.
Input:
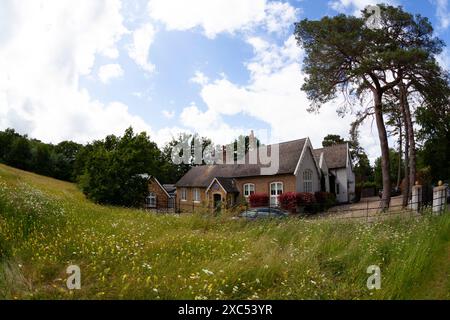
{"points": [[47, 225]]}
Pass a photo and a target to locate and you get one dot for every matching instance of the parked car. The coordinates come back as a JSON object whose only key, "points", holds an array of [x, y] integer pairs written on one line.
{"points": [[394, 192], [262, 213]]}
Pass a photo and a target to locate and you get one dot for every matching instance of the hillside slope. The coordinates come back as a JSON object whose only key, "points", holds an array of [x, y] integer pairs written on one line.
{"points": [[47, 225]]}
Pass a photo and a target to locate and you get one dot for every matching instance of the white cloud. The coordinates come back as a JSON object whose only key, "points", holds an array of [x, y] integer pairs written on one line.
{"points": [[199, 78], [443, 13], [218, 16], [273, 96], [355, 5], [45, 48], [110, 71], [209, 124], [139, 50], [444, 59], [279, 15], [168, 114]]}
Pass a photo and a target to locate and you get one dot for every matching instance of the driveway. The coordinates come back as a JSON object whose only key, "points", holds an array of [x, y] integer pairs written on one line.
{"points": [[367, 207]]}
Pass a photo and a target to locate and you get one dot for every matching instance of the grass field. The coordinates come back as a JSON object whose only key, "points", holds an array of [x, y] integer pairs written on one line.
{"points": [[47, 225]]}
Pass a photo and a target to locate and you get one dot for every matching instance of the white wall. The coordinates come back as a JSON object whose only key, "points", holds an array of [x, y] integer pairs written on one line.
{"points": [[308, 162], [324, 168], [341, 179]]}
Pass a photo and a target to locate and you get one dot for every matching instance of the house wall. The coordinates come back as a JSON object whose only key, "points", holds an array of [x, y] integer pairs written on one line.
{"points": [[189, 204], [308, 162], [341, 179], [162, 199], [262, 184], [217, 189], [345, 177], [325, 172], [351, 181]]}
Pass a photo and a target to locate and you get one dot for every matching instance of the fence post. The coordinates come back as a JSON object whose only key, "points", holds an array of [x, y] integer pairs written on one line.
{"points": [[416, 197], [367, 210], [439, 198]]}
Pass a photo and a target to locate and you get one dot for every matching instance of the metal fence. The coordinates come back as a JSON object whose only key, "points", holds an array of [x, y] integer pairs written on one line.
{"points": [[367, 210]]}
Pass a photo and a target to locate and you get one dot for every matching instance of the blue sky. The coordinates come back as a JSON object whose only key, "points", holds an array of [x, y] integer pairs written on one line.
{"points": [[83, 69]]}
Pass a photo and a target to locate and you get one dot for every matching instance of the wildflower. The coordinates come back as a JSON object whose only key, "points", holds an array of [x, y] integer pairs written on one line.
{"points": [[210, 273]]}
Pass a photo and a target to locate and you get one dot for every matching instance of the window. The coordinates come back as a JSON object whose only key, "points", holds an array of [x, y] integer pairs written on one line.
{"points": [[337, 188], [276, 188], [249, 189], [196, 195], [183, 194], [307, 181], [150, 201]]}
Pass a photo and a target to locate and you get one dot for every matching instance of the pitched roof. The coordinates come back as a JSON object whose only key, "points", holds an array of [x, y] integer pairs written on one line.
{"points": [[317, 153], [202, 176], [335, 156], [228, 184], [170, 188]]}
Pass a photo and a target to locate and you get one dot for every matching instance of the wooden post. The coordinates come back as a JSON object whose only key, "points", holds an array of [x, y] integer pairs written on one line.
{"points": [[367, 210]]}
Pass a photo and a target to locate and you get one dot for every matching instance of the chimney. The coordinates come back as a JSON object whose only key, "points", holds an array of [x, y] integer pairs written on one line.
{"points": [[224, 154], [252, 140]]}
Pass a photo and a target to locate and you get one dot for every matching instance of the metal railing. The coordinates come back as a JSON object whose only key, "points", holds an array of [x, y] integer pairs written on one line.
{"points": [[363, 210]]}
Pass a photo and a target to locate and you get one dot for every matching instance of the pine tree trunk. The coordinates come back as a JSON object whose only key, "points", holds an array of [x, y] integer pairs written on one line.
{"points": [[406, 190], [400, 152], [412, 144], [384, 145]]}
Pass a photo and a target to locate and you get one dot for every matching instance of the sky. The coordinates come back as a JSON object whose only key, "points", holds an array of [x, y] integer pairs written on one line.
{"points": [[82, 69]]}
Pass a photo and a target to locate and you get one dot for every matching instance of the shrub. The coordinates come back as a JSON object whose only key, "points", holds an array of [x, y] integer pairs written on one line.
{"points": [[288, 201], [308, 202], [325, 200], [259, 200], [305, 198]]}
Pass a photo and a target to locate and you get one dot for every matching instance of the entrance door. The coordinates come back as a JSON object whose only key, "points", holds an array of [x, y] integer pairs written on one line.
{"points": [[217, 202], [276, 188]]}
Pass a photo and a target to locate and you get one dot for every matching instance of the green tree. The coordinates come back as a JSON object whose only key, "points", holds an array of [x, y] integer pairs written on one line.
{"points": [[7, 138], [434, 120], [19, 154], [394, 158], [343, 55], [113, 169], [331, 140], [64, 158], [171, 170], [42, 160]]}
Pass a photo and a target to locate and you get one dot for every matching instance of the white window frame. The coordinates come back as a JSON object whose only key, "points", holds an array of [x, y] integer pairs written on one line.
{"points": [[196, 195], [150, 201], [183, 194], [274, 201], [308, 181], [248, 189]]}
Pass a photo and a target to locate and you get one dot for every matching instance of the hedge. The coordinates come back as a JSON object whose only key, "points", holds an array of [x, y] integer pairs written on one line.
{"points": [[259, 200]]}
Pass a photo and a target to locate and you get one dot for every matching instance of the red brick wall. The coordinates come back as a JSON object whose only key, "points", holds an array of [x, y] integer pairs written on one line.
{"points": [[262, 184], [161, 196]]}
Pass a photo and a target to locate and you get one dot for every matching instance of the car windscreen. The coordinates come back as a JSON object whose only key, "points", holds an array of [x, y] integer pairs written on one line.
{"points": [[248, 214]]}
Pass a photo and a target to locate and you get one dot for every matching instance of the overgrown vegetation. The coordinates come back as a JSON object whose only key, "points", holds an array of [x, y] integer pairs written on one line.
{"points": [[47, 225]]}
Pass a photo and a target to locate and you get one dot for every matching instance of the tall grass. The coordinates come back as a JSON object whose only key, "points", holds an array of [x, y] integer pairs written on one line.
{"points": [[47, 225]]}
